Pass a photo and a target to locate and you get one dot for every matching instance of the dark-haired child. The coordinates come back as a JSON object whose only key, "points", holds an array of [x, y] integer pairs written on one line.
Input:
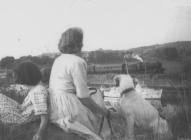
{"points": [[35, 104]]}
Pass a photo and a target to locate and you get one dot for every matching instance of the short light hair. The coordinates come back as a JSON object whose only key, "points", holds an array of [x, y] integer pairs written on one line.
{"points": [[70, 39]]}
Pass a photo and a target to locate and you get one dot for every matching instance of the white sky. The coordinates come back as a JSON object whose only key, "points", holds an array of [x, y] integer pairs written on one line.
{"points": [[32, 27]]}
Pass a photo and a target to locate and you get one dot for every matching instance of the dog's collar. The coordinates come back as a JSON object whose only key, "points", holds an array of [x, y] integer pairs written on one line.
{"points": [[127, 91]]}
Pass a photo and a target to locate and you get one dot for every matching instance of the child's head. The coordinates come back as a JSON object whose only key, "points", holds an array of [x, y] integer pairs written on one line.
{"points": [[27, 73], [45, 75]]}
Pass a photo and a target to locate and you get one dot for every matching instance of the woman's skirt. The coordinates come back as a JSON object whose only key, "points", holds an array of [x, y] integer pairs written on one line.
{"points": [[70, 114]]}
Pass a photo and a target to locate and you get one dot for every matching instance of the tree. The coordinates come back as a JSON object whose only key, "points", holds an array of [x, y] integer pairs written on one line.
{"points": [[36, 60], [187, 67], [46, 60], [7, 62], [171, 53]]}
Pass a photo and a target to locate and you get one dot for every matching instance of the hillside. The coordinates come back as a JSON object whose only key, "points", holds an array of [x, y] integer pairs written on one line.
{"points": [[173, 51], [174, 56]]}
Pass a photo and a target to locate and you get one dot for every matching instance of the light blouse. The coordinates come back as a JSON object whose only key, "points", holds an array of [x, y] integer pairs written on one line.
{"points": [[69, 75]]}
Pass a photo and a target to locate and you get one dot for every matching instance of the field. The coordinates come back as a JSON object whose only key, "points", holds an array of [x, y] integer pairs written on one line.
{"points": [[170, 86], [105, 81], [118, 125]]}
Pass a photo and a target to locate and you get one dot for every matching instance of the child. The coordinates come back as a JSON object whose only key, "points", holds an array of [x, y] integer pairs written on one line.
{"points": [[45, 76], [35, 103]]}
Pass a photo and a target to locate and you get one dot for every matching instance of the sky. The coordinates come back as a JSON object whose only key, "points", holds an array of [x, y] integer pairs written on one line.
{"points": [[33, 27]]}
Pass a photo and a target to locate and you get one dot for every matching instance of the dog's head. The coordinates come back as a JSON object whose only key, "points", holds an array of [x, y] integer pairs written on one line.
{"points": [[123, 82]]}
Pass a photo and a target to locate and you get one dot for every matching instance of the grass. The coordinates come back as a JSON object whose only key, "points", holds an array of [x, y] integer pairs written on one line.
{"points": [[26, 132]]}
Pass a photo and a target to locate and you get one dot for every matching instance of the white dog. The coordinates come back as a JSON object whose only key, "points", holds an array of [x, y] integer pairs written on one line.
{"points": [[137, 111]]}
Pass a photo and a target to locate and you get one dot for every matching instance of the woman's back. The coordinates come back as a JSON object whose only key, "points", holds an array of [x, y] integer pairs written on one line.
{"points": [[64, 70]]}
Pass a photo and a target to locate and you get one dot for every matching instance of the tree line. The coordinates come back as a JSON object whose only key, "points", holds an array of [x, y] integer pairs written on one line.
{"points": [[169, 52], [95, 57], [9, 62]]}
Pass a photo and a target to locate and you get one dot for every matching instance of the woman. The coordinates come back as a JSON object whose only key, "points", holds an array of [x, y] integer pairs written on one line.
{"points": [[34, 105], [71, 107]]}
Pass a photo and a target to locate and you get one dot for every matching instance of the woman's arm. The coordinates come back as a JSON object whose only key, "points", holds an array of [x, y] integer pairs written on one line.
{"points": [[79, 75], [42, 128]]}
